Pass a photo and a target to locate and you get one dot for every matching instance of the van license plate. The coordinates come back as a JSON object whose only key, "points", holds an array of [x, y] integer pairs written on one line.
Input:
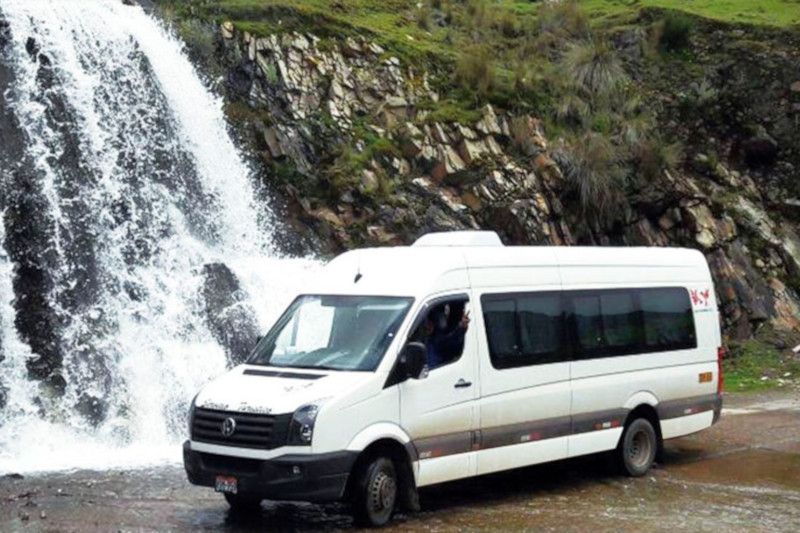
{"points": [[226, 484]]}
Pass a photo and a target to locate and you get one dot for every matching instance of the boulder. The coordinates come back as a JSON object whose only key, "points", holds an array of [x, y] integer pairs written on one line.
{"points": [[92, 408], [231, 320], [760, 151]]}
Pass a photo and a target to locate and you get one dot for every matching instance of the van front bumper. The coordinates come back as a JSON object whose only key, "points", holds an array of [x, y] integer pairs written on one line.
{"points": [[311, 478]]}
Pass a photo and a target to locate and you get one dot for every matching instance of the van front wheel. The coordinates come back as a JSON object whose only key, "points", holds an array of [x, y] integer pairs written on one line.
{"points": [[638, 447], [375, 494]]}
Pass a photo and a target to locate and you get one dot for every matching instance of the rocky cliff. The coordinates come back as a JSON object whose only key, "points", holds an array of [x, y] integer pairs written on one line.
{"points": [[366, 151]]}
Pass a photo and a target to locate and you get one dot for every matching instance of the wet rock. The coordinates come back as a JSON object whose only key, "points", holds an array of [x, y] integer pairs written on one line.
{"points": [[240, 80], [32, 47], [92, 408], [5, 34], [231, 320]]}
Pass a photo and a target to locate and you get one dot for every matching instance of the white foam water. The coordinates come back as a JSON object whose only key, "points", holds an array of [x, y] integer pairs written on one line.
{"points": [[153, 139]]}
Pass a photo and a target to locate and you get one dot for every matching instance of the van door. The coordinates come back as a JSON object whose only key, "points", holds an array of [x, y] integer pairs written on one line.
{"points": [[439, 411], [525, 379]]}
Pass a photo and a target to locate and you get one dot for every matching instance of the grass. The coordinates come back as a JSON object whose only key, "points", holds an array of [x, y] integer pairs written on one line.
{"points": [[754, 365], [775, 13]]}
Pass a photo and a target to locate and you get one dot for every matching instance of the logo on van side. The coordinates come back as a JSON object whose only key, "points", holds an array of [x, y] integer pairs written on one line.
{"points": [[701, 298]]}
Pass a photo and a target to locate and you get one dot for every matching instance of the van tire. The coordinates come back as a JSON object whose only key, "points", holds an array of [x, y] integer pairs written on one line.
{"points": [[244, 503], [638, 447], [375, 493]]}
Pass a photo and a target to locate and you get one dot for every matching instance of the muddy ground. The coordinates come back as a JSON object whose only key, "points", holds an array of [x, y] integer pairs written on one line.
{"points": [[741, 475]]}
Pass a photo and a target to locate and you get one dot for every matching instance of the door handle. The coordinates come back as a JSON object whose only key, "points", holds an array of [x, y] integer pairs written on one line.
{"points": [[462, 383]]}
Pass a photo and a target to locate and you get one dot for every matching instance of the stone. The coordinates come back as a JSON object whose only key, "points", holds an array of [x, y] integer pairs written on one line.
{"points": [[705, 238], [231, 320], [448, 163], [273, 143], [488, 125], [328, 216], [760, 151], [369, 181], [471, 151], [227, 29], [795, 87]]}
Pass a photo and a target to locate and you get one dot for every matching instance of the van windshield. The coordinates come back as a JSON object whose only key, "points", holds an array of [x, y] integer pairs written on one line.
{"points": [[333, 332]]}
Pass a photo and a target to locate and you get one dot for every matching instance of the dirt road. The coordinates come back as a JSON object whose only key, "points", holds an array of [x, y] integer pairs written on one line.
{"points": [[741, 475]]}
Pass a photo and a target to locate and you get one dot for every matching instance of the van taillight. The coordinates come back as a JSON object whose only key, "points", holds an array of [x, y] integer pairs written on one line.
{"points": [[720, 376]]}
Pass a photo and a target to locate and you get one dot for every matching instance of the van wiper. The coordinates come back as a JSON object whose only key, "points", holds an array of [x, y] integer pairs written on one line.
{"points": [[314, 367]]}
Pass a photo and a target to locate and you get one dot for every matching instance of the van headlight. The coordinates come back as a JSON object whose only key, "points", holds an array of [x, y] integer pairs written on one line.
{"points": [[301, 428]]}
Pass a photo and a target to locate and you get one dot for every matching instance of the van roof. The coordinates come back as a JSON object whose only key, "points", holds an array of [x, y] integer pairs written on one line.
{"points": [[440, 261]]}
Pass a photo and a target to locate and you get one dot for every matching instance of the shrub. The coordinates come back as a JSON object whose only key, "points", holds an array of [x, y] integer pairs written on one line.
{"points": [[564, 19], [653, 156], [593, 67], [573, 110], [198, 36], [594, 172], [475, 70], [675, 31]]}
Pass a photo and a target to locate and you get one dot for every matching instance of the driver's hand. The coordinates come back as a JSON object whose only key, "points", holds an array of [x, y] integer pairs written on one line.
{"points": [[465, 320]]}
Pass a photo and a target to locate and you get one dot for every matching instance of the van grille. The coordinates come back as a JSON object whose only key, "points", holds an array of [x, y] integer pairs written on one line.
{"points": [[252, 430]]}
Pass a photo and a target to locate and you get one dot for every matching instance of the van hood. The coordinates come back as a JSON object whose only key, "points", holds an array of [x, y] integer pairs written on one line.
{"points": [[275, 390]]}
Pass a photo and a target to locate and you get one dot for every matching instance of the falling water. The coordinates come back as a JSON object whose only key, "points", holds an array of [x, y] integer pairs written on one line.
{"points": [[126, 184]]}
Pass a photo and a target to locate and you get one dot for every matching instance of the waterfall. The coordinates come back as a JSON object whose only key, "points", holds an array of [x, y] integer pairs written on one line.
{"points": [[125, 185]]}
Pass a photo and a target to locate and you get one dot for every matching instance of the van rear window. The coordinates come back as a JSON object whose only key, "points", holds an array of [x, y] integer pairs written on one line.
{"points": [[668, 319], [525, 329]]}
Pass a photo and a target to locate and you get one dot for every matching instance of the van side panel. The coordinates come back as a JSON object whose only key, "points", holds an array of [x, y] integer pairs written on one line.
{"points": [[609, 383], [524, 411]]}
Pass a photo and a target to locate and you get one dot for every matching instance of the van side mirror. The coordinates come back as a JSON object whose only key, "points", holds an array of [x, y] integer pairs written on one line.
{"points": [[414, 358]]}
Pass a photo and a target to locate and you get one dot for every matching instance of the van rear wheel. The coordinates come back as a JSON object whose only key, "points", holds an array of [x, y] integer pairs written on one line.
{"points": [[375, 492], [244, 503], [638, 447]]}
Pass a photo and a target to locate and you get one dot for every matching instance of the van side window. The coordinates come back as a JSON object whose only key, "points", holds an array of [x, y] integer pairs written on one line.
{"points": [[524, 329], [442, 329], [621, 323], [588, 323], [500, 318], [668, 319], [607, 323]]}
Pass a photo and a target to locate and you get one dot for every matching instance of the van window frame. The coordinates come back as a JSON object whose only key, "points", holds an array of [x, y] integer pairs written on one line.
{"points": [[570, 349], [605, 350], [565, 351], [395, 377]]}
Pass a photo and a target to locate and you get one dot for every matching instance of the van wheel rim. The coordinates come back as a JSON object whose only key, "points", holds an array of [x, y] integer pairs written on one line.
{"points": [[383, 493], [639, 449]]}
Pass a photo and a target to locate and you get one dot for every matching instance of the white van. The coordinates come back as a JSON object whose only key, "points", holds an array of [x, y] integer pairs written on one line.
{"points": [[455, 357]]}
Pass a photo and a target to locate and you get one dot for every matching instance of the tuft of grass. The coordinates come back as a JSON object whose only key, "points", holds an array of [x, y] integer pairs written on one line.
{"points": [[475, 70], [199, 36], [675, 32], [754, 365], [595, 174], [594, 67]]}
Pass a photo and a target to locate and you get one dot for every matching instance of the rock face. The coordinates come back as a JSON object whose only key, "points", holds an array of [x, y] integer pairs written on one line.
{"points": [[493, 170], [232, 321]]}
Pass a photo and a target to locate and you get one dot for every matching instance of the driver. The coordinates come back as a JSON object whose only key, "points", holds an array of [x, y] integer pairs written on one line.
{"points": [[443, 345]]}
